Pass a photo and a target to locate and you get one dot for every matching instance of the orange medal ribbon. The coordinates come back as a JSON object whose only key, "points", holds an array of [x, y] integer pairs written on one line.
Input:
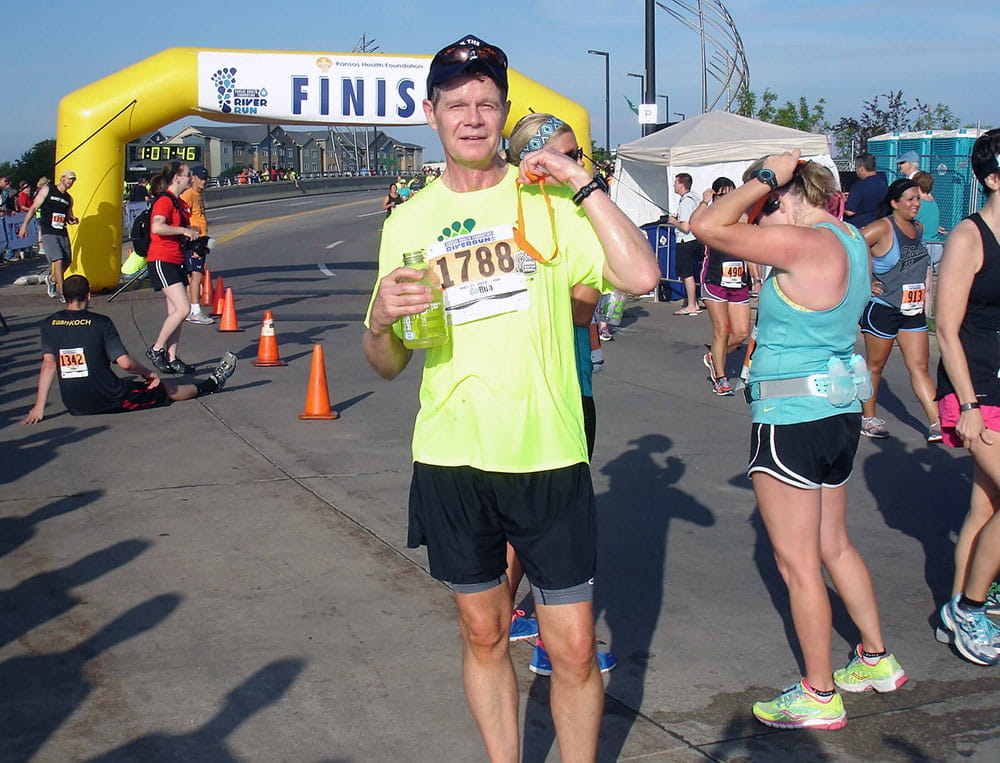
{"points": [[519, 237]]}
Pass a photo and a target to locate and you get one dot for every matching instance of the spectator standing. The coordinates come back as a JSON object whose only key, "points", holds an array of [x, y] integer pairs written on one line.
{"points": [[866, 194], [194, 261], [687, 251]]}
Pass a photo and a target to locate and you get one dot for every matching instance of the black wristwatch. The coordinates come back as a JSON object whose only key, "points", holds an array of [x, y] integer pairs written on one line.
{"points": [[968, 407], [597, 184], [766, 176]]}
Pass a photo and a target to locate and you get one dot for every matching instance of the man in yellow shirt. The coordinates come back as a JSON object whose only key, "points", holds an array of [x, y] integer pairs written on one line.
{"points": [[498, 445], [194, 263]]}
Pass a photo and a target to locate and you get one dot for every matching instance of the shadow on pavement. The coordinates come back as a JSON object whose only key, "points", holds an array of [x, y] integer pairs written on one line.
{"points": [[207, 743], [39, 692], [39, 447], [923, 494], [15, 531], [45, 596], [633, 519]]}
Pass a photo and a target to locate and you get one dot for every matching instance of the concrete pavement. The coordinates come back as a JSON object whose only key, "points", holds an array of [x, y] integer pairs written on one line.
{"points": [[218, 580]]}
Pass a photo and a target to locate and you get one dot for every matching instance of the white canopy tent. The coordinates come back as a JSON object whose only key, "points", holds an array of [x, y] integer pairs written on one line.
{"points": [[706, 147]]}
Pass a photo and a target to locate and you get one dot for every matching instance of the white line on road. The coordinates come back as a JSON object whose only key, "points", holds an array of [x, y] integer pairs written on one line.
{"points": [[326, 271], [369, 214], [335, 243], [301, 203]]}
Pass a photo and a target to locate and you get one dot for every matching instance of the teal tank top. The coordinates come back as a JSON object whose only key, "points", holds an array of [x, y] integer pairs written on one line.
{"points": [[794, 341]]}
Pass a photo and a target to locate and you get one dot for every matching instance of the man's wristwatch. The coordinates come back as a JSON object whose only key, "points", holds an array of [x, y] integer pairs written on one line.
{"points": [[968, 407], [597, 184], [766, 176]]}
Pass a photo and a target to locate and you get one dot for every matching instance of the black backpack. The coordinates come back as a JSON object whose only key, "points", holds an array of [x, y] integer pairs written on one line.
{"points": [[142, 223]]}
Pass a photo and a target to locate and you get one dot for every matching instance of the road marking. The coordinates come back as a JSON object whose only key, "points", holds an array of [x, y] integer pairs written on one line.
{"points": [[369, 214], [325, 270], [301, 203], [335, 243], [250, 226]]}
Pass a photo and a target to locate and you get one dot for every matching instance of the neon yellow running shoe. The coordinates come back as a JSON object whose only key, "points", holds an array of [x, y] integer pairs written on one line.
{"points": [[797, 708], [884, 676]]}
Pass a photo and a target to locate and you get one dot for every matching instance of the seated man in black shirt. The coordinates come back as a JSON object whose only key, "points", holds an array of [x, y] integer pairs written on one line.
{"points": [[79, 346]]}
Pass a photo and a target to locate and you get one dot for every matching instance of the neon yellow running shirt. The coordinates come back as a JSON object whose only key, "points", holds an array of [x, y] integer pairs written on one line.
{"points": [[503, 394]]}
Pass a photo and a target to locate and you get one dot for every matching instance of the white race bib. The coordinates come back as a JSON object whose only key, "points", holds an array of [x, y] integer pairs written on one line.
{"points": [[481, 274], [912, 302], [732, 275], [72, 363]]}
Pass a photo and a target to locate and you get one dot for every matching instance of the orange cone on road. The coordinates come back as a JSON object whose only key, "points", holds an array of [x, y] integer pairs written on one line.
{"points": [[220, 297], [267, 348], [206, 297], [228, 322], [318, 396]]}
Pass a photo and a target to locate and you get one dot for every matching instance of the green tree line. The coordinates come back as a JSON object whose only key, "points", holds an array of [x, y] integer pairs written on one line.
{"points": [[37, 161], [886, 112]]}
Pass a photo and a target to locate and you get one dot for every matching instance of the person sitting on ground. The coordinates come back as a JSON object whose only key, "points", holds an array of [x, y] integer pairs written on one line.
{"points": [[79, 346]]}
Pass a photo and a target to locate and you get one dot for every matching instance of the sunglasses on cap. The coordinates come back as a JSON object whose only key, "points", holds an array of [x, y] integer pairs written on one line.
{"points": [[468, 52]]}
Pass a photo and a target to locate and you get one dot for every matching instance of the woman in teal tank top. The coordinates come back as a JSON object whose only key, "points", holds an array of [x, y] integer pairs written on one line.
{"points": [[802, 445]]}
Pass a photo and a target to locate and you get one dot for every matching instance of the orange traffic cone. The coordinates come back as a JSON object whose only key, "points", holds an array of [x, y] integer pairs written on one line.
{"points": [[267, 348], [206, 297], [228, 322], [220, 297], [318, 396]]}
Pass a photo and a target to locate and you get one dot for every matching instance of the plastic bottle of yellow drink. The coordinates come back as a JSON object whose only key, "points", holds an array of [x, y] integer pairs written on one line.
{"points": [[429, 328]]}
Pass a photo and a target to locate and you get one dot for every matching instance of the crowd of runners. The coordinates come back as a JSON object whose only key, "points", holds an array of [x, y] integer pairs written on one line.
{"points": [[497, 498]]}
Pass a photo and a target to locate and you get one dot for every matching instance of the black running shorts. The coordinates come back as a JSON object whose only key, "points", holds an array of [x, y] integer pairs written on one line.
{"points": [[163, 274], [687, 258], [885, 322], [809, 455], [466, 516]]}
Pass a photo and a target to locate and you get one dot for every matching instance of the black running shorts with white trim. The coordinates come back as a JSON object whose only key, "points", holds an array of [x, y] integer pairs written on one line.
{"points": [[809, 455], [466, 516], [163, 274]]}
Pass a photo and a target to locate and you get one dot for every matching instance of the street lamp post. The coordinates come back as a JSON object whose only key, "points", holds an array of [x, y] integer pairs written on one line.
{"points": [[642, 93], [666, 106], [680, 114], [607, 97]]}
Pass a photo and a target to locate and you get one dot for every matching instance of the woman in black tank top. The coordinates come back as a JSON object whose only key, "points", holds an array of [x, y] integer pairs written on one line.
{"points": [[968, 319]]}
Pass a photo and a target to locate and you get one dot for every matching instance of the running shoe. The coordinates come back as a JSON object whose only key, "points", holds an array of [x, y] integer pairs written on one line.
{"points": [[884, 676], [874, 427], [522, 627], [722, 388], [51, 287], [606, 336], [179, 367], [797, 707], [200, 318], [934, 432], [225, 369], [159, 359], [977, 639], [709, 362], [993, 599], [540, 664]]}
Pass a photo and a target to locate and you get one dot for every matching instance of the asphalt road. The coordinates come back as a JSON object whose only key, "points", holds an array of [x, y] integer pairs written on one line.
{"points": [[218, 580]]}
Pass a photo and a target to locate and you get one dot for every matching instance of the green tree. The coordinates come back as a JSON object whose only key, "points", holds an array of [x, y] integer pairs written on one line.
{"points": [[890, 112], [38, 160], [747, 104]]}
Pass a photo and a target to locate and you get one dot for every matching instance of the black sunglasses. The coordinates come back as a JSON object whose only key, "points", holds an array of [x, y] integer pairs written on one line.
{"points": [[460, 54], [576, 154]]}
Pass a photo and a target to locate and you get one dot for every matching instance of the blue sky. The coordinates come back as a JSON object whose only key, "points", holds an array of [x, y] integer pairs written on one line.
{"points": [[844, 52]]}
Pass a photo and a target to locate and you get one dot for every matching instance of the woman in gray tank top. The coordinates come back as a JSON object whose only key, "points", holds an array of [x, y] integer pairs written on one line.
{"points": [[896, 312]]}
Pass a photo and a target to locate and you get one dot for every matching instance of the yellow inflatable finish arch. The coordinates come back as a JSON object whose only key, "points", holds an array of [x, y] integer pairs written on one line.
{"points": [[242, 86]]}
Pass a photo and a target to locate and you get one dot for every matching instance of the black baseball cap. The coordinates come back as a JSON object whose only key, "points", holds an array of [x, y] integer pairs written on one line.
{"points": [[468, 53], [200, 172]]}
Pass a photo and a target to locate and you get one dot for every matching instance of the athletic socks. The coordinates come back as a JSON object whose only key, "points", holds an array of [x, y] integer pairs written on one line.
{"points": [[872, 657], [970, 604], [822, 696], [206, 387]]}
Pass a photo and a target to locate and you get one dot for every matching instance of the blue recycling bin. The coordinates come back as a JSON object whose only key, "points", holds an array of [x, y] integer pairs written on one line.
{"points": [[662, 239]]}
